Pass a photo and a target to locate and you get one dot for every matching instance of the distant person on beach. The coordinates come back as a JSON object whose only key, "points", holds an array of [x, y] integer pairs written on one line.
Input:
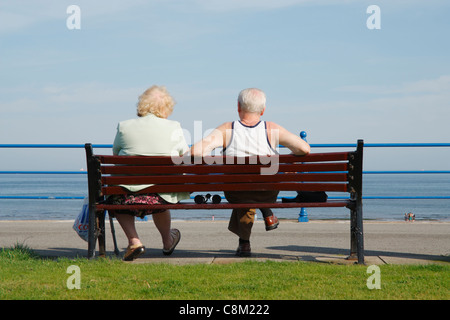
{"points": [[151, 134], [249, 136]]}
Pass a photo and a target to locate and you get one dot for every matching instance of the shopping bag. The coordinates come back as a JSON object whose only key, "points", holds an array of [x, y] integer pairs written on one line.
{"points": [[81, 224]]}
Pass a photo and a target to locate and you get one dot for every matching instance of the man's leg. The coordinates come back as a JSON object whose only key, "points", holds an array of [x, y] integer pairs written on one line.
{"points": [[241, 222]]}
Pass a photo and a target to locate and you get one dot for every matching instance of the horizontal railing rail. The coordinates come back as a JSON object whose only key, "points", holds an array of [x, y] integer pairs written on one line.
{"points": [[364, 172], [48, 145], [317, 145], [329, 145]]}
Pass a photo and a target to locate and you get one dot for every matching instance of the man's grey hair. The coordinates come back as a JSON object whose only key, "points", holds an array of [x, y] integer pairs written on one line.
{"points": [[252, 100]]}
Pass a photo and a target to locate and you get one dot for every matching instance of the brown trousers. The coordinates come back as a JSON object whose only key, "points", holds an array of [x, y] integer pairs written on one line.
{"points": [[241, 220]]}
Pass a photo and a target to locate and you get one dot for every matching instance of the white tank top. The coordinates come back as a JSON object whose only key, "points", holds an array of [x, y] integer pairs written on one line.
{"points": [[248, 141]]}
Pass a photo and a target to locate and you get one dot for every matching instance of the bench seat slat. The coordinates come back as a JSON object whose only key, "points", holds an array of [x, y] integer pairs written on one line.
{"points": [[188, 206]]}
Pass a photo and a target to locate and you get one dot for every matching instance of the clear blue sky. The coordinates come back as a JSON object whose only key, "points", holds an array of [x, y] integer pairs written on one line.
{"points": [[323, 70]]}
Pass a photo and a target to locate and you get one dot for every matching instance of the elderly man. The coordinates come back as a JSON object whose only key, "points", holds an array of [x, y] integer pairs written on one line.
{"points": [[249, 136]]}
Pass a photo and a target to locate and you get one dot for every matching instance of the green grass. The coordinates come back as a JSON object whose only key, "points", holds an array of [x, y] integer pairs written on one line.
{"points": [[24, 275]]}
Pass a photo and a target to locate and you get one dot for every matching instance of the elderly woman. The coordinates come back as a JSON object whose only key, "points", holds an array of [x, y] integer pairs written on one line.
{"points": [[151, 134]]}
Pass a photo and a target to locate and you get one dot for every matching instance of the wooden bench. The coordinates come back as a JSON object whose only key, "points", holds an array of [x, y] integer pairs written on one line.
{"points": [[329, 172]]}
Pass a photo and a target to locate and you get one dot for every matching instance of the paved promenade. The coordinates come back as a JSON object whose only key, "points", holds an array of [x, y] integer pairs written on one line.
{"points": [[210, 241]]}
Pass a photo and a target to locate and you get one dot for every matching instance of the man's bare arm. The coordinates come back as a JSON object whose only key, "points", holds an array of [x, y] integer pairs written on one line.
{"points": [[216, 139], [297, 145]]}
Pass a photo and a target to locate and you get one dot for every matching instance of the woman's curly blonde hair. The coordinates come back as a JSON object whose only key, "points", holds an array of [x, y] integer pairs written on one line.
{"points": [[155, 100]]}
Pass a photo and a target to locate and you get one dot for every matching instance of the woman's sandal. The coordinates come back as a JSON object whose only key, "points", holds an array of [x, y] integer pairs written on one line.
{"points": [[133, 252], [176, 236]]}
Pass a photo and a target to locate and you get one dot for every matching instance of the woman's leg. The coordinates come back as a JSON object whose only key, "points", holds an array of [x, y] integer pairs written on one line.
{"points": [[127, 222], [162, 222]]}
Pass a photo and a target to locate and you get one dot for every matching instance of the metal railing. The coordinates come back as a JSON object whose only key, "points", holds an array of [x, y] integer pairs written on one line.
{"points": [[302, 214]]}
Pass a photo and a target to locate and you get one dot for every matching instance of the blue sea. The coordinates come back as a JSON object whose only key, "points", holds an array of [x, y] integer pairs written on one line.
{"points": [[73, 188]]}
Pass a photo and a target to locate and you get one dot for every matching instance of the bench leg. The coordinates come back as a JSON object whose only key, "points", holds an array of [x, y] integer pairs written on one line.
{"points": [[92, 234], [113, 233], [356, 235], [101, 234], [96, 231]]}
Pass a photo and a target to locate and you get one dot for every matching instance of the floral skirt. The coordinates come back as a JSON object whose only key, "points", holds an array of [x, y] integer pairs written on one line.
{"points": [[147, 198]]}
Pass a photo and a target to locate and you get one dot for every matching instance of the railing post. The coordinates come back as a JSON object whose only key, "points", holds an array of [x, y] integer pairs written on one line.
{"points": [[303, 215]]}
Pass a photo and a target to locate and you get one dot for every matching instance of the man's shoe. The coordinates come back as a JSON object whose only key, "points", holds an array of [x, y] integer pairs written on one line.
{"points": [[271, 222], [244, 250]]}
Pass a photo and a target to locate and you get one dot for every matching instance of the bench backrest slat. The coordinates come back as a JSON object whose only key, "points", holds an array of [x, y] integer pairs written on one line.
{"points": [[226, 178], [314, 172], [336, 187], [164, 160], [226, 168]]}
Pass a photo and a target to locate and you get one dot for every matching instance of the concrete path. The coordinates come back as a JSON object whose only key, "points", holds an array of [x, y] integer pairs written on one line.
{"points": [[210, 241]]}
